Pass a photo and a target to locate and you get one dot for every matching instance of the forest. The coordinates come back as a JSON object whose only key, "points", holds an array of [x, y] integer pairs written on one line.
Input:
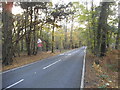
{"points": [[59, 26]]}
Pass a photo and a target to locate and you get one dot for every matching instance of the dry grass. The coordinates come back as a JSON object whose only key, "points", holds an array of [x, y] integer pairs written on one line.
{"points": [[104, 74], [25, 59]]}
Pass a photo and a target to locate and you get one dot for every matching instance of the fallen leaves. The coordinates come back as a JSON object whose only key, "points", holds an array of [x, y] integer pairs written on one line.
{"points": [[25, 59], [105, 73]]}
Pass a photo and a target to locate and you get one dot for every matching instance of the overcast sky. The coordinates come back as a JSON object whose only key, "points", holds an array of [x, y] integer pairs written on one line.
{"points": [[81, 1]]}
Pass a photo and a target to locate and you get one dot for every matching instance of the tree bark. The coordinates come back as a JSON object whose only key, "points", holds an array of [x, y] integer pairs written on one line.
{"points": [[7, 46], [28, 36], [117, 46], [34, 35], [53, 37], [66, 43], [102, 30], [71, 34], [104, 11], [93, 28]]}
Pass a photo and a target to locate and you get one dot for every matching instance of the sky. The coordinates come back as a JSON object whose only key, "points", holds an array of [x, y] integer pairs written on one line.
{"points": [[17, 10], [66, 1], [96, 2]]}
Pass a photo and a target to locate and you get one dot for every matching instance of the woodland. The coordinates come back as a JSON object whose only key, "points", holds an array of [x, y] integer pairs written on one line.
{"points": [[60, 26]]}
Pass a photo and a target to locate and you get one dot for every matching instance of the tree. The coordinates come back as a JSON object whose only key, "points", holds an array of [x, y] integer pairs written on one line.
{"points": [[117, 46], [58, 13], [102, 29], [7, 50], [32, 7]]}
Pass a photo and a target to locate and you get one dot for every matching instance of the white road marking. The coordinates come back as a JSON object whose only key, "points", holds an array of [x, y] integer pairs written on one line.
{"points": [[30, 64], [69, 54], [51, 64], [19, 67], [84, 50], [62, 54], [83, 71], [23, 66], [14, 84]]}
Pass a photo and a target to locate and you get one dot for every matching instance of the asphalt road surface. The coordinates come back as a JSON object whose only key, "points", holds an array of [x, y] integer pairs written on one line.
{"points": [[61, 71]]}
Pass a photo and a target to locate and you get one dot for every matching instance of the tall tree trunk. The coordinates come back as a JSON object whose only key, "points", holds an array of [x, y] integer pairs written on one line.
{"points": [[98, 37], [41, 35], [93, 28], [34, 35], [53, 37], [117, 46], [104, 11], [7, 52], [27, 33], [28, 41], [102, 30], [66, 43], [71, 34], [26, 18], [22, 41]]}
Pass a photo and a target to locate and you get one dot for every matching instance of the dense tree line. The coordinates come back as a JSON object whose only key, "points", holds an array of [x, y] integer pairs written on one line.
{"points": [[55, 26], [39, 20], [103, 32]]}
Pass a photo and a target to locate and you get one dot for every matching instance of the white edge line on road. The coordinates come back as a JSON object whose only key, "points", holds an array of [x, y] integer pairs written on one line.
{"points": [[14, 84], [83, 71], [51, 64], [19, 67]]}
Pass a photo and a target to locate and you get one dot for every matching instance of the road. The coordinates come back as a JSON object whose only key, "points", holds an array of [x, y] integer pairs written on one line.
{"points": [[61, 71]]}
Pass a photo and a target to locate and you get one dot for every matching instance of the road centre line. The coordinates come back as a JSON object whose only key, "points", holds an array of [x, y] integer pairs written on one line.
{"points": [[51, 64], [14, 84]]}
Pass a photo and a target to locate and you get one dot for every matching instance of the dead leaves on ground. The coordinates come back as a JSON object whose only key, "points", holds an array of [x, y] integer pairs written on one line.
{"points": [[106, 70]]}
